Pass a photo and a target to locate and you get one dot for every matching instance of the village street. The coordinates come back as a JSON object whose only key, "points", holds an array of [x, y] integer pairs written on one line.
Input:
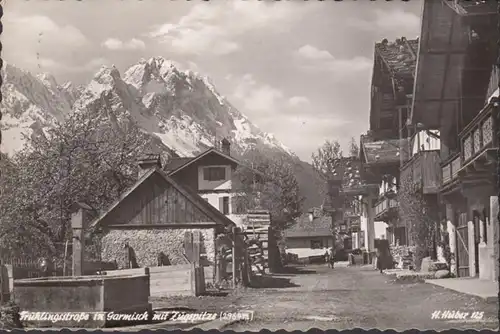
{"points": [[345, 297]]}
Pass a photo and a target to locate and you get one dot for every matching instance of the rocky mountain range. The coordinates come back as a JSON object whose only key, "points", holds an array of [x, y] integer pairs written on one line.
{"points": [[181, 111]]}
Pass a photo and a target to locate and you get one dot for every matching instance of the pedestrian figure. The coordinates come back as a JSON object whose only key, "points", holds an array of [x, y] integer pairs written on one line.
{"points": [[379, 260], [331, 257]]}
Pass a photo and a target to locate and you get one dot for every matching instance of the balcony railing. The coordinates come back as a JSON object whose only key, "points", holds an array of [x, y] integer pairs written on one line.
{"points": [[385, 205], [478, 135], [450, 168], [424, 170]]}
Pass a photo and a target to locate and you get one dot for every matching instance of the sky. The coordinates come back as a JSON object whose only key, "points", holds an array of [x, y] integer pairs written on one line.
{"points": [[298, 69]]}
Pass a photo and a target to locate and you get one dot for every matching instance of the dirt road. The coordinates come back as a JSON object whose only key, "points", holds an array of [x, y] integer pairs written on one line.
{"points": [[342, 298]]}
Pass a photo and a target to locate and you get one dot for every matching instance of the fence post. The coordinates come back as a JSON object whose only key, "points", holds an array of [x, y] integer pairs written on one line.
{"points": [[196, 248], [6, 282], [78, 221], [188, 245], [235, 256]]}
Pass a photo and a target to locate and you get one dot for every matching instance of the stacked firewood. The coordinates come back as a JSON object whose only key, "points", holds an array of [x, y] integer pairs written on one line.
{"points": [[256, 255]]}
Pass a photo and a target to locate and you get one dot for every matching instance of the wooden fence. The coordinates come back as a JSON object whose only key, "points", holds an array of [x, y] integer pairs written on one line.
{"points": [[167, 281]]}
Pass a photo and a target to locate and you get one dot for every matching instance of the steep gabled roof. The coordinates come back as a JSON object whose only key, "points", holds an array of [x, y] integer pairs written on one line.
{"points": [[175, 163], [196, 199], [184, 163]]}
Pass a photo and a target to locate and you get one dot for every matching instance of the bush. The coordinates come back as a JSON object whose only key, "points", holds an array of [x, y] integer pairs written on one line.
{"points": [[356, 251], [9, 316]]}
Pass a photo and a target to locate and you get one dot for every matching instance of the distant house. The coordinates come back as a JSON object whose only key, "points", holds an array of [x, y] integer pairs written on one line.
{"points": [[310, 235], [150, 220], [211, 175]]}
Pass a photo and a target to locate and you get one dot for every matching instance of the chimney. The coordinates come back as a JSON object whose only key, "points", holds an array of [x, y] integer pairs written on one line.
{"points": [[225, 146], [147, 162]]}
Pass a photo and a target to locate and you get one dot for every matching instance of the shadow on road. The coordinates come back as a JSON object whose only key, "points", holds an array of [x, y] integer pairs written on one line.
{"points": [[294, 270], [215, 293], [271, 281]]}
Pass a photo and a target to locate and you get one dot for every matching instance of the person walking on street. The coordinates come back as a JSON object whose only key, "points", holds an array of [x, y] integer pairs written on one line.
{"points": [[379, 259], [331, 256]]}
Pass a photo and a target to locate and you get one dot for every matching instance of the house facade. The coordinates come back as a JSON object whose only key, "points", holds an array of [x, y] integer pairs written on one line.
{"points": [[211, 175], [381, 160], [147, 225], [310, 235], [456, 93], [385, 148]]}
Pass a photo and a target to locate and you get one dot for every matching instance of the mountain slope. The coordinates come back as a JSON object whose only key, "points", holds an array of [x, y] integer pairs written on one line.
{"points": [[181, 110]]}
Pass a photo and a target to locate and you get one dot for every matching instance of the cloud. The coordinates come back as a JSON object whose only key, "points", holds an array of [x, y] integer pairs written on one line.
{"points": [[314, 59], [388, 21], [256, 97], [310, 52], [116, 44], [48, 64], [29, 40], [44, 30], [211, 28], [273, 111], [297, 101]]}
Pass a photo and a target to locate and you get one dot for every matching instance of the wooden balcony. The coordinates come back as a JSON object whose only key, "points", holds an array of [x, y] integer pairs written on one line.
{"points": [[475, 165], [386, 209], [479, 136], [450, 168], [424, 169]]}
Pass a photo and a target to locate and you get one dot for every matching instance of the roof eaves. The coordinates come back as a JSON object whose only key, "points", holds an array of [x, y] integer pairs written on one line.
{"points": [[203, 154]]}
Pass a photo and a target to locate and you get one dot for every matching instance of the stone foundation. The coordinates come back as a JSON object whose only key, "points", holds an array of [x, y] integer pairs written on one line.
{"points": [[147, 244]]}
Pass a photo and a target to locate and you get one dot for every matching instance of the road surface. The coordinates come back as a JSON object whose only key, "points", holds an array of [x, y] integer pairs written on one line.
{"points": [[354, 297]]}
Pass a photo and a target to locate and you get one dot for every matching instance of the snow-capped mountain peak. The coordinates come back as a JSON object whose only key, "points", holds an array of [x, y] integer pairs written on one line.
{"points": [[181, 109]]}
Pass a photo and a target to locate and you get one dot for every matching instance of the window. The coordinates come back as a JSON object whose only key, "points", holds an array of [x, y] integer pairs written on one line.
{"points": [[224, 205], [238, 204], [316, 244], [214, 173], [361, 239]]}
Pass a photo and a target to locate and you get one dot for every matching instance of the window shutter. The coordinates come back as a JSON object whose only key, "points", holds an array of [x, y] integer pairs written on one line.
{"points": [[221, 204], [234, 205], [225, 205]]}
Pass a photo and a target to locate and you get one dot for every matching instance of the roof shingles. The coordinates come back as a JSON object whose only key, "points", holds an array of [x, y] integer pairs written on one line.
{"points": [[400, 56], [175, 163], [303, 227]]}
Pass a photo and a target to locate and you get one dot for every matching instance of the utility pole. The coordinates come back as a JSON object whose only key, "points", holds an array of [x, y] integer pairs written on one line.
{"points": [[498, 141], [336, 196]]}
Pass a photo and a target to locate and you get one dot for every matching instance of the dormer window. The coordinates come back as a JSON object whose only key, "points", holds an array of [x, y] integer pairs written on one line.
{"points": [[214, 173]]}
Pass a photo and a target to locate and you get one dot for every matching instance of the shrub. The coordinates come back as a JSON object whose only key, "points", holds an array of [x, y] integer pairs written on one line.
{"points": [[420, 217]]}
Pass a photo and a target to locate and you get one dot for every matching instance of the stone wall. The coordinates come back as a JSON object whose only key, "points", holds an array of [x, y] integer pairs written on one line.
{"points": [[84, 294], [148, 243]]}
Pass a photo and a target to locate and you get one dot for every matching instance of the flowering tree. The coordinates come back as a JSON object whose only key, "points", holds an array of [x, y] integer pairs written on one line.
{"points": [[274, 187], [327, 159], [88, 158]]}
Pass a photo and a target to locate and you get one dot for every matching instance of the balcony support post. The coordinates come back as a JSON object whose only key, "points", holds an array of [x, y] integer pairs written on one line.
{"points": [[451, 229]]}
